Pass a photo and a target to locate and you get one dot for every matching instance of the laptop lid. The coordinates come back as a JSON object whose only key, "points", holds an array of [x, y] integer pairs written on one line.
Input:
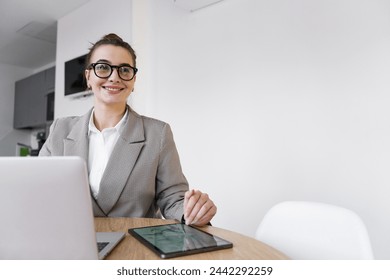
{"points": [[45, 209]]}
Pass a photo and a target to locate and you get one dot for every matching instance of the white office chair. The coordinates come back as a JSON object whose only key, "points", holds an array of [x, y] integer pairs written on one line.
{"points": [[312, 231]]}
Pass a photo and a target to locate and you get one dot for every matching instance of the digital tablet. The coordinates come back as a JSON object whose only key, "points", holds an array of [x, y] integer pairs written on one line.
{"points": [[176, 240]]}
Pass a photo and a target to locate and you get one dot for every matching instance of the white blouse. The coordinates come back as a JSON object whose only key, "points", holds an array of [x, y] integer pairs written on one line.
{"points": [[101, 144]]}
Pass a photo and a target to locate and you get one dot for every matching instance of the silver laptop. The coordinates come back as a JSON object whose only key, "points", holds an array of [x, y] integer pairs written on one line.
{"points": [[46, 210]]}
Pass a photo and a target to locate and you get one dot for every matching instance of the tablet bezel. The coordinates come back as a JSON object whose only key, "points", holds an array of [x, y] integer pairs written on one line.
{"points": [[164, 255]]}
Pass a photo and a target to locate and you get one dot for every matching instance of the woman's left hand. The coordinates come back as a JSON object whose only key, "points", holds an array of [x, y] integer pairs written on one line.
{"points": [[199, 209]]}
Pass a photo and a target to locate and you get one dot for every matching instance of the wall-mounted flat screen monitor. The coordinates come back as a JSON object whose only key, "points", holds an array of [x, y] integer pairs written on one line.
{"points": [[74, 76]]}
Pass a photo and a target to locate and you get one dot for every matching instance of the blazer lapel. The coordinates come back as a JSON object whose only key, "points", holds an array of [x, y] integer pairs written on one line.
{"points": [[97, 210], [76, 143], [121, 162]]}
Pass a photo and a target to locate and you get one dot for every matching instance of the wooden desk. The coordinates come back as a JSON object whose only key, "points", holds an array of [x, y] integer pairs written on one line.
{"points": [[244, 247]]}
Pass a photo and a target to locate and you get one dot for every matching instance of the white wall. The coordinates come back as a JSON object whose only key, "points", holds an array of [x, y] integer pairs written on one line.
{"points": [[279, 100], [268, 100]]}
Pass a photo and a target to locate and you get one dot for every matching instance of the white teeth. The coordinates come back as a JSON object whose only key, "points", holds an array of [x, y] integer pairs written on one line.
{"points": [[112, 89]]}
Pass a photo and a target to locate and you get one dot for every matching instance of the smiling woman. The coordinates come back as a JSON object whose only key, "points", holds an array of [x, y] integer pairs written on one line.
{"points": [[110, 88], [133, 164]]}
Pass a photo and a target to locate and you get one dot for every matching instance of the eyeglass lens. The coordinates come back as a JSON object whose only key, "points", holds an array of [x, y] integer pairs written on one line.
{"points": [[104, 70]]}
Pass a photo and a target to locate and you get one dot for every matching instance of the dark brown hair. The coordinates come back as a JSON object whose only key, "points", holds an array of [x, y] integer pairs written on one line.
{"points": [[110, 39]]}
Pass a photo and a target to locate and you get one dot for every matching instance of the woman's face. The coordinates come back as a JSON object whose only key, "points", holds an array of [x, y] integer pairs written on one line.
{"points": [[112, 90]]}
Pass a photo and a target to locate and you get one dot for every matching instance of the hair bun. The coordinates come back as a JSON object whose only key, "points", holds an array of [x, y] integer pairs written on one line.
{"points": [[112, 37]]}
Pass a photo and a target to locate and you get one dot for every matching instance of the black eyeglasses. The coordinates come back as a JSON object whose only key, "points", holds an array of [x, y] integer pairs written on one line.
{"points": [[104, 70]]}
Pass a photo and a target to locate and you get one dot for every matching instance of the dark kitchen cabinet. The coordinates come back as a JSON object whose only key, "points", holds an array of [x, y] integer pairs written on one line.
{"points": [[34, 100]]}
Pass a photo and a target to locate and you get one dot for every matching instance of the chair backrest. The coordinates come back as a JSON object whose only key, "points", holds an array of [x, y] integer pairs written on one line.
{"points": [[311, 230]]}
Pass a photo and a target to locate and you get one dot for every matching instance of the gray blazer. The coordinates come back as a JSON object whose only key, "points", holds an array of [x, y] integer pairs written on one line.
{"points": [[143, 177]]}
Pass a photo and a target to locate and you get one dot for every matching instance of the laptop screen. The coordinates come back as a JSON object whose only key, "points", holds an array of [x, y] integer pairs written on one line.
{"points": [[45, 203]]}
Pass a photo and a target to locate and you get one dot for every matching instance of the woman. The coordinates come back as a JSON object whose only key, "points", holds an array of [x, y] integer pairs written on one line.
{"points": [[134, 168]]}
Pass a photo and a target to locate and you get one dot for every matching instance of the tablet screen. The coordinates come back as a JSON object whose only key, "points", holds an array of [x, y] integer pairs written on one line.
{"points": [[178, 239]]}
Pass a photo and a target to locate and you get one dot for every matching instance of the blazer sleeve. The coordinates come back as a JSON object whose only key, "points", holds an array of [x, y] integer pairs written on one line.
{"points": [[171, 183]]}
